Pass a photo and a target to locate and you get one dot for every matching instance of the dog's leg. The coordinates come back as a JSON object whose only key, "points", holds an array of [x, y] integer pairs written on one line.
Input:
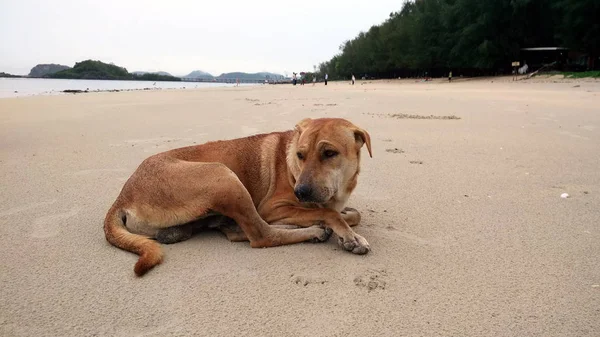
{"points": [[175, 234], [351, 216], [307, 217], [217, 189], [183, 232], [234, 233]]}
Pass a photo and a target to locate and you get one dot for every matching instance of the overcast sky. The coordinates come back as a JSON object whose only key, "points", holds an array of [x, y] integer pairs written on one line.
{"points": [[180, 36]]}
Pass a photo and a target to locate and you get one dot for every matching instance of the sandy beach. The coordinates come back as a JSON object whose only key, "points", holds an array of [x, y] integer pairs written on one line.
{"points": [[461, 204]]}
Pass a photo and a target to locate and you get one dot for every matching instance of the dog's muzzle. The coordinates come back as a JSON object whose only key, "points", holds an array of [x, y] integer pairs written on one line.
{"points": [[304, 193]]}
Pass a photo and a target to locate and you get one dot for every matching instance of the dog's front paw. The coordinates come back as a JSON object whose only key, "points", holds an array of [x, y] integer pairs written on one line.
{"points": [[323, 235], [354, 243], [351, 216]]}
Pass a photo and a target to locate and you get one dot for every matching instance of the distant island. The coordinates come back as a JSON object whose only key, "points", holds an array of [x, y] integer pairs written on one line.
{"points": [[9, 75], [42, 70], [252, 76], [97, 70], [199, 74], [139, 73]]}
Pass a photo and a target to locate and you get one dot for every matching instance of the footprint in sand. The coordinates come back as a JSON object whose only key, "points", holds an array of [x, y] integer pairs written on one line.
{"points": [[394, 150], [372, 279], [302, 280], [49, 225]]}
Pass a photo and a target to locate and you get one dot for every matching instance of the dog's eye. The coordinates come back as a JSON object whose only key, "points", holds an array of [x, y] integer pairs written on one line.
{"points": [[329, 154], [300, 156]]}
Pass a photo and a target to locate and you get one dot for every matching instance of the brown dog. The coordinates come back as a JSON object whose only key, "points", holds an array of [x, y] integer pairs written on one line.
{"points": [[264, 183]]}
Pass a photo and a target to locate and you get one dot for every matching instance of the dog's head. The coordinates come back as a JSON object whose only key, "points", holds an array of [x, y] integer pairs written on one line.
{"points": [[324, 159]]}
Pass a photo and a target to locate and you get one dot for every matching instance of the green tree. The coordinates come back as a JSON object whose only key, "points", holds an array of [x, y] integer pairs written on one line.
{"points": [[579, 26], [475, 36]]}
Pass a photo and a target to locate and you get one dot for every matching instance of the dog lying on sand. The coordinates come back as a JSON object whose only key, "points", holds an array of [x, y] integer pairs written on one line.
{"points": [[272, 189]]}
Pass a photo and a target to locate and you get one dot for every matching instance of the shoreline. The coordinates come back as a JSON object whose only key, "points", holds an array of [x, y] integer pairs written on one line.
{"points": [[359, 82], [30, 87]]}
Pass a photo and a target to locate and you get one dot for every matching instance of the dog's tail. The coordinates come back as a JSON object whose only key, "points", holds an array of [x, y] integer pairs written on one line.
{"points": [[116, 233]]}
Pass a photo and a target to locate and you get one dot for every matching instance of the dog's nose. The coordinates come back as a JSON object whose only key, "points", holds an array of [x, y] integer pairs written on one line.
{"points": [[303, 192]]}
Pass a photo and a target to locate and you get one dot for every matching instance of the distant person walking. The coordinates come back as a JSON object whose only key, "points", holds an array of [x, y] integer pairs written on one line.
{"points": [[237, 82], [450, 76], [294, 79], [314, 80], [353, 79], [326, 78]]}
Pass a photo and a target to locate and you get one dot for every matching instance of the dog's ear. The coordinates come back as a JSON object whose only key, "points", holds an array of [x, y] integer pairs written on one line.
{"points": [[301, 126], [363, 137]]}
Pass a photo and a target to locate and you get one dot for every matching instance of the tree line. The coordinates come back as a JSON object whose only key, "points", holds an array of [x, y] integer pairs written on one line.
{"points": [[469, 37]]}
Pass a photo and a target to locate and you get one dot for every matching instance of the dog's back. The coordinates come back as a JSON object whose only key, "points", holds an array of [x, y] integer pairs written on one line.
{"points": [[256, 160]]}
